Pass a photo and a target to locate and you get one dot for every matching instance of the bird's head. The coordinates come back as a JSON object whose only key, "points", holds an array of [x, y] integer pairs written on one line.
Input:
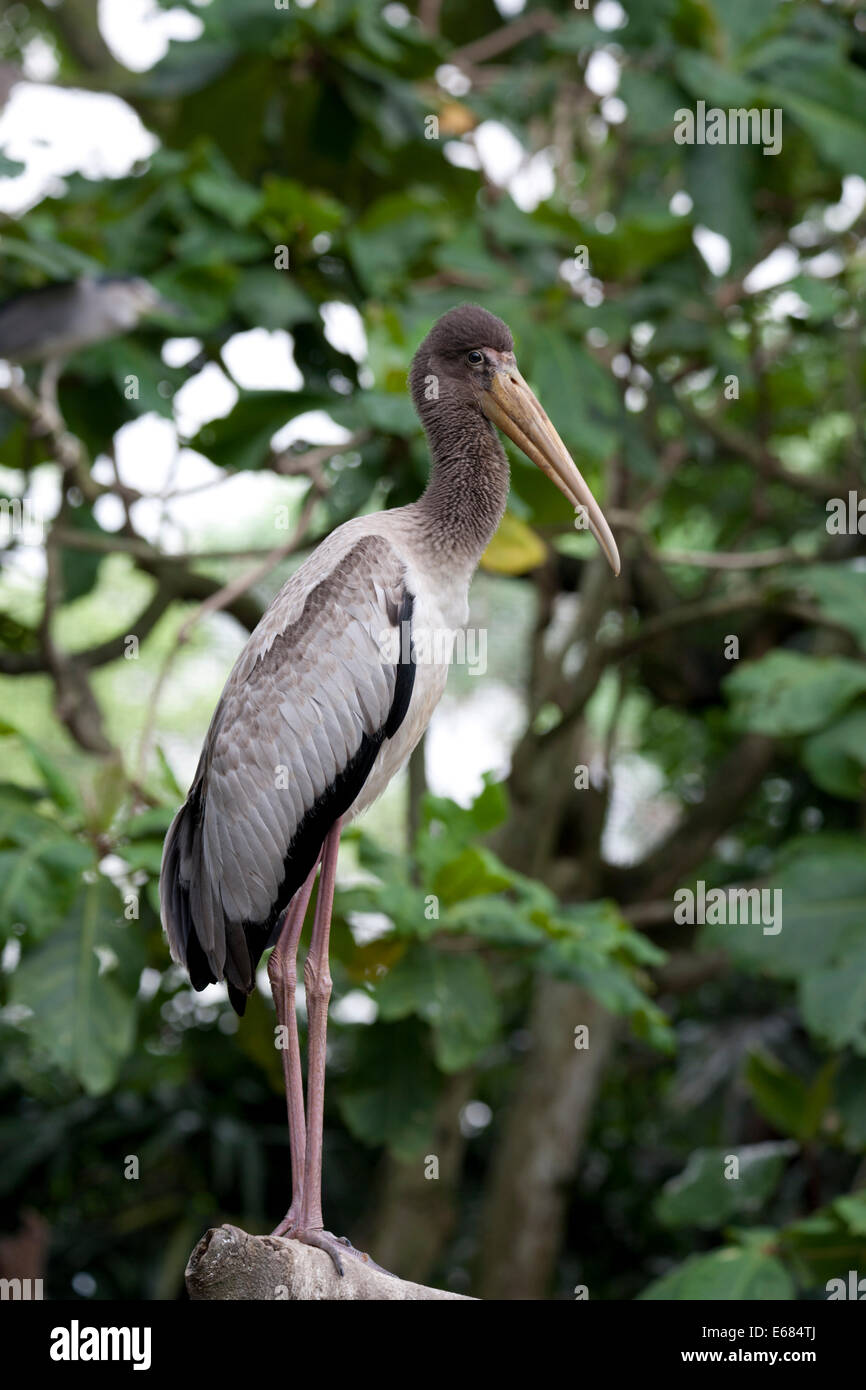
{"points": [[467, 361], [128, 298]]}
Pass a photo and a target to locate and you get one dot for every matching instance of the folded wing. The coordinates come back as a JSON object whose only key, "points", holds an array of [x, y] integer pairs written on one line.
{"points": [[292, 741]]}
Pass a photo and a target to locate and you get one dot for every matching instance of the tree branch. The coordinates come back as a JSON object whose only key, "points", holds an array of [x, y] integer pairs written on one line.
{"points": [[500, 40], [229, 1264]]}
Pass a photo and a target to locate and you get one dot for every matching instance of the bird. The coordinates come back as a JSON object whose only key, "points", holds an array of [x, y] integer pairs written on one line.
{"points": [[326, 702], [49, 324]]}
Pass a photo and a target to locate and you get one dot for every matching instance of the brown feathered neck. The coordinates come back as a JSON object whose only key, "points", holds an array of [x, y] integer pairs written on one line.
{"points": [[468, 488]]}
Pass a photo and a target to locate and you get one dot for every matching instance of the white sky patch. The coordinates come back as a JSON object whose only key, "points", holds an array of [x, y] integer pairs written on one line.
{"points": [[602, 73], [780, 266], [474, 1118], [453, 80], [841, 215], [43, 503], [494, 148], [642, 334], [715, 249], [192, 470], [789, 304], [207, 396], [235, 499], [609, 15], [368, 926], [109, 512], [149, 460], [534, 182], [11, 955], [825, 266], [260, 360], [641, 811], [145, 450], [138, 32], [397, 15], [314, 427], [471, 735], [56, 132], [176, 352], [500, 152], [461, 154], [344, 329], [681, 204], [355, 1007], [614, 110], [39, 61]]}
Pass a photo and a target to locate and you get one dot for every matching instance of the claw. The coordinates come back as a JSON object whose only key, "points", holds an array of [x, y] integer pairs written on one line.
{"points": [[324, 1240]]}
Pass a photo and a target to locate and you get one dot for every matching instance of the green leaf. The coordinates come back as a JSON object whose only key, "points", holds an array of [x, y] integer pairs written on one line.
{"points": [[79, 1013], [242, 439], [453, 993], [389, 237], [840, 592], [41, 864], [791, 693], [704, 1195], [833, 1002], [829, 1243], [828, 104], [851, 1102], [58, 786], [446, 827], [720, 185], [822, 882], [390, 1096], [229, 197], [471, 874], [836, 758], [792, 1105], [495, 919], [728, 1274], [709, 81], [271, 299]]}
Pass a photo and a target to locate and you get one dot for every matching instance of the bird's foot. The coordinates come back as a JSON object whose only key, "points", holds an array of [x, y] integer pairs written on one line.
{"points": [[288, 1225], [337, 1247]]}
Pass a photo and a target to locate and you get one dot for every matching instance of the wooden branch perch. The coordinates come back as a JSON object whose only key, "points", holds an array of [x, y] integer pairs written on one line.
{"points": [[230, 1264]]}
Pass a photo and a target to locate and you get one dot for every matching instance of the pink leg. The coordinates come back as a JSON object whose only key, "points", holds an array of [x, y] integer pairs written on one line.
{"points": [[283, 975], [317, 983]]}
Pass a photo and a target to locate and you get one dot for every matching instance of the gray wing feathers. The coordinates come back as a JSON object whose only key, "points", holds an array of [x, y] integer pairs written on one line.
{"points": [[311, 682]]}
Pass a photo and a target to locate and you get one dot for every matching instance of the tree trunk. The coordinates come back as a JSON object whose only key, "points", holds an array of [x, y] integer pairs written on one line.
{"points": [[545, 1130], [415, 1215]]}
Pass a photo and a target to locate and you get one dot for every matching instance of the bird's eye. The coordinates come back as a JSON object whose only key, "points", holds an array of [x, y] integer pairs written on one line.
{"points": [[475, 358]]}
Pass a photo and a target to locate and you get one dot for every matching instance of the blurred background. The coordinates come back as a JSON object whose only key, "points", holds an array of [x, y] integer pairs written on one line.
{"points": [[547, 1085]]}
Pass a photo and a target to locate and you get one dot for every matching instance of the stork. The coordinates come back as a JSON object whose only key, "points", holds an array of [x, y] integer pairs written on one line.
{"points": [[326, 702]]}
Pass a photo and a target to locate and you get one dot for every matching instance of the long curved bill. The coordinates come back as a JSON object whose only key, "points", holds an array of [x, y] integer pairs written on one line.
{"points": [[514, 409]]}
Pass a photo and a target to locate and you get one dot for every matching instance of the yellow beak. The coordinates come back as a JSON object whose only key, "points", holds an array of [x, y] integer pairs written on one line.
{"points": [[513, 408]]}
